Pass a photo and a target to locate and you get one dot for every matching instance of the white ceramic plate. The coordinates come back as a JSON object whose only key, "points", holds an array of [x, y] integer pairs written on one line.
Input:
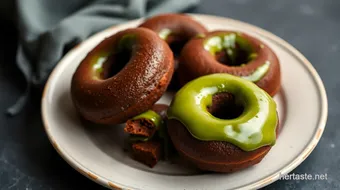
{"points": [[97, 153]]}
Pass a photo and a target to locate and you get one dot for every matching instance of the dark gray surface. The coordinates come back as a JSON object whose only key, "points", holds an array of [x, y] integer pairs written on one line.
{"points": [[28, 161]]}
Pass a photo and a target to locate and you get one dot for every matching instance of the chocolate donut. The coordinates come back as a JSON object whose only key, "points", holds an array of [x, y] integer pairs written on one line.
{"points": [[231, 52], [217, 156], [222, 123], [176, 30], [123, 76]]}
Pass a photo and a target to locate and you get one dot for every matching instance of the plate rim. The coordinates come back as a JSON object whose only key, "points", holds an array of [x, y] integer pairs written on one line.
{"points": [[322, 120]]}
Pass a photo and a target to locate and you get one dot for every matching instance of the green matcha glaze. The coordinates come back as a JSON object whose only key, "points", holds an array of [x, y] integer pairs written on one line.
{"points": [[162, 132], [200, 36], [227, 42], [258, 73], [157, 120], [164, 33], [152, 116], [254, 128], [97, 60], [126, 42]]}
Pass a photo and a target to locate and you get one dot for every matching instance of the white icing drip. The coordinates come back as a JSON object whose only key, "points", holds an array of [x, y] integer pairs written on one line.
{"points": [[258, 73], [252, 129], [99, 63], [164, 33], [212, 42], [229, 41], [204, 92]]}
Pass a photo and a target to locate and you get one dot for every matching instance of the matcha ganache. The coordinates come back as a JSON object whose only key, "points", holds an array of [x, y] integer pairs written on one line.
{"points": [[234, 53], [123, 76], [222, 123]]}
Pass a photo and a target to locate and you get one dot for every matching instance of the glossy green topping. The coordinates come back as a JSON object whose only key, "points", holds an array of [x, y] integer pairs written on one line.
{"points": [[97, 60], [135, 138], [126, 42], [232, 43], [162, 132], [164, 33], [152, 116], [200, 36], [254, 128]]}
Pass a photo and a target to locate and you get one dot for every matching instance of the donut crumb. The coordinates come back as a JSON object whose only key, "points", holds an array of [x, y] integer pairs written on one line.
{"points": [[141, 127], [148, 153]]}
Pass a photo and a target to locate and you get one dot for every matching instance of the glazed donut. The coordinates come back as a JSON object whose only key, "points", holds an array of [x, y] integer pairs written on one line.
{"points": [[231, 52], [123, 76], [175, 29], [232, 124]]}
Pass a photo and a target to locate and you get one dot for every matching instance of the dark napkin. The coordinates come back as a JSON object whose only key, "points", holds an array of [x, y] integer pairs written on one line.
{"points": [[48, 29]]}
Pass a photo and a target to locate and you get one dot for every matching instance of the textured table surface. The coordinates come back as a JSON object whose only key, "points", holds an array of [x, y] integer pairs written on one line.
{"points": [[28, 161]]}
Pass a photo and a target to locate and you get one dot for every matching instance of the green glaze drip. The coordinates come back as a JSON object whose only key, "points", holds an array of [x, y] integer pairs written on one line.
{"points": [[97, 60], [254, 128], [161, 132], [258, 73], [156, 119], [252, 56], [152, 116], [227, 42], [200, 36], [164, 33], [126, 42]]}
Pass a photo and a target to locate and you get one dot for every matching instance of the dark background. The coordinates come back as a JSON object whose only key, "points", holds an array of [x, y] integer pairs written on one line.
{"points": [[28, 161]]}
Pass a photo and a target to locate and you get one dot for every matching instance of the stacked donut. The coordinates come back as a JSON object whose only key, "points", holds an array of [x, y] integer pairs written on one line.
{"points": [[222, 118]]}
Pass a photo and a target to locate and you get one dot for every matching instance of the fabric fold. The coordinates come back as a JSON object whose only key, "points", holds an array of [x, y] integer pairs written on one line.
{"points": [[47, 29]]}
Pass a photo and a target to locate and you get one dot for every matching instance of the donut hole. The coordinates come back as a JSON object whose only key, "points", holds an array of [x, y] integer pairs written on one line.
{"points": [[176, 48], [115, 63], [176, 44], [224, 106], [236, 57]]}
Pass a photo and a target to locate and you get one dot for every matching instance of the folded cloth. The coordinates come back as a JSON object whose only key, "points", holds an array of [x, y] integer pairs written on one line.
{"points": [[48, 29]]}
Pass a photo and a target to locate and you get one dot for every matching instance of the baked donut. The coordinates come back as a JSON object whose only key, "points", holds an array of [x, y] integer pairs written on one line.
{"points": [[175, 29], [123, 76], [222, 123], [231, 52]]}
